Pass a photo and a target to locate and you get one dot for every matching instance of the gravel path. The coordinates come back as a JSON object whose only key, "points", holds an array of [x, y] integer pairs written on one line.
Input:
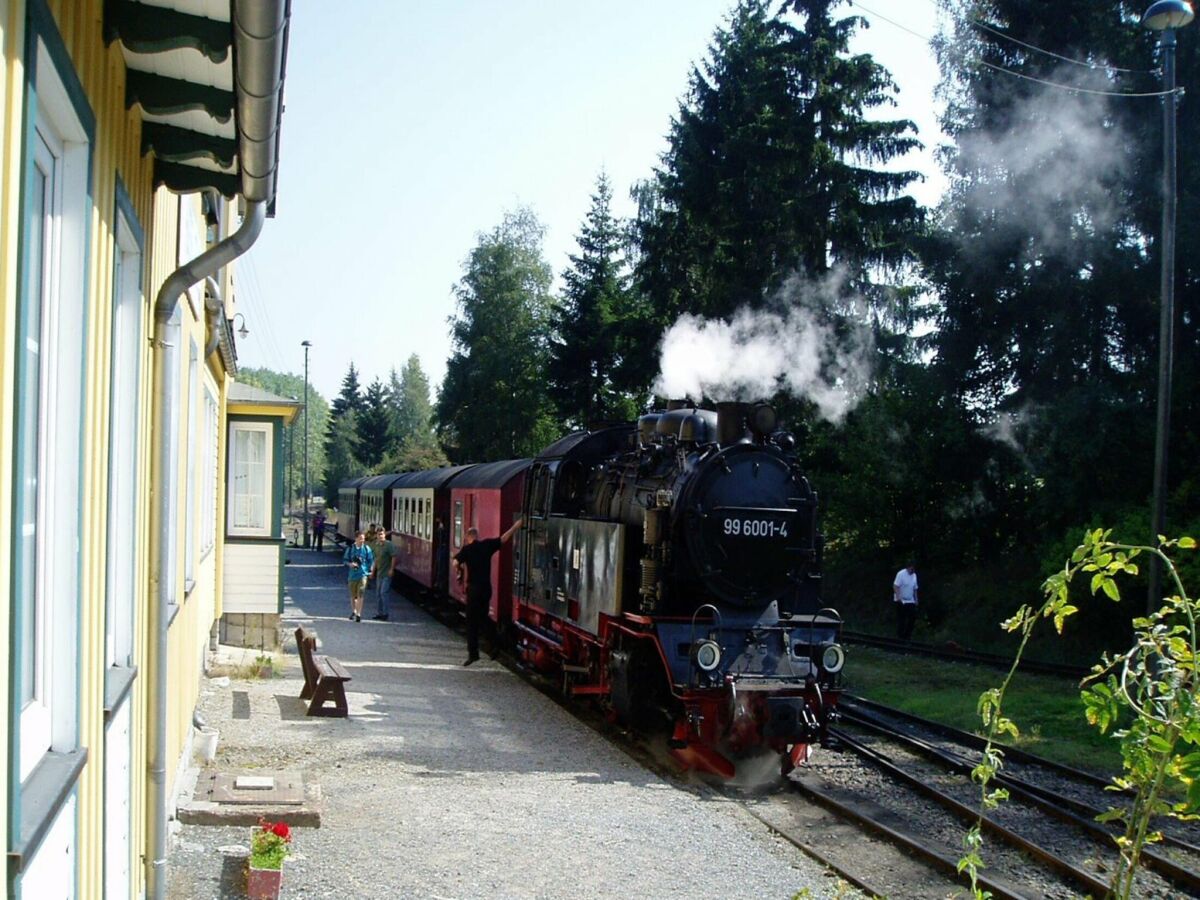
{"points": [[460, 782]]}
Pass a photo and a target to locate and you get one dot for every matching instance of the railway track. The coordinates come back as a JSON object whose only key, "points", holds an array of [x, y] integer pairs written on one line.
{"points": [[958, 654], [862, 837], [1051, 823]]}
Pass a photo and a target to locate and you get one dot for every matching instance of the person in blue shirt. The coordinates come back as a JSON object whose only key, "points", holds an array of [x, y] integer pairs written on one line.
{"points": [[359, 561]]}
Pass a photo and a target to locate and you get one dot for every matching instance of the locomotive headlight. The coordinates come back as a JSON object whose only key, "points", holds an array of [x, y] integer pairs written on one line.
{"points": [[706, 655], [833, 657]]}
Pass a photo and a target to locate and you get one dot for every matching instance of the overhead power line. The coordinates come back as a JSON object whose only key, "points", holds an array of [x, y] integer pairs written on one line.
{"points": [[1073, 88], [1015, 74], [1076, 62]]}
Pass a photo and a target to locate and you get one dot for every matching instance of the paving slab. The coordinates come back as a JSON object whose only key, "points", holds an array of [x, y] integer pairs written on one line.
{"points": [[454, 782]]}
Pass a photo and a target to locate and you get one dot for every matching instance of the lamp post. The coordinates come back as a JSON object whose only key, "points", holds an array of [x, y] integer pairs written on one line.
{"points": [[291, 495], [1164, 16], [242, 332], [306, 345]]}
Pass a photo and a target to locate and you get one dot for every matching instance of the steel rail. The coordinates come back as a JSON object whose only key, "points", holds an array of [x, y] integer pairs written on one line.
{"points": [[994, 660], [969, 814], [1001, 889], [975, 742], [807, 849], [1065, 809]]}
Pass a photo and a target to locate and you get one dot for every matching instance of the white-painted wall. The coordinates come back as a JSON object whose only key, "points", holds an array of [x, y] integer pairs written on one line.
{"points": [[251, 578]]}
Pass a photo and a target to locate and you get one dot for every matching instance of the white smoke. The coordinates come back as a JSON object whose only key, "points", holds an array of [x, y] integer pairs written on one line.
{"points": [[1058, 159], [760, 352], [1012, 428]]}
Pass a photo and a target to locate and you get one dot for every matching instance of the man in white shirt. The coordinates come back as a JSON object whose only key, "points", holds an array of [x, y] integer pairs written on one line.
{"points": [[904, 595]]}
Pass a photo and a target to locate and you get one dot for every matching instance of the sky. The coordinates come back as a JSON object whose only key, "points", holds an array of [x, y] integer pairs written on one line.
{"points": [[411, 127]]}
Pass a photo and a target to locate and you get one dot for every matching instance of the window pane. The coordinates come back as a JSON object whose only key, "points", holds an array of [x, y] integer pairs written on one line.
{"points": [[250, 479], [29, 404]]}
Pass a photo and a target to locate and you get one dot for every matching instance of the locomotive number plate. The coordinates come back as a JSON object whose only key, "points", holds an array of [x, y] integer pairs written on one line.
{"points": [[754, 527]]}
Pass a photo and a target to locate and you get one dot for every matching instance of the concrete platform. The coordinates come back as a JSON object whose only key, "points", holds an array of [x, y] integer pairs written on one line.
{"points": [[458, 782]]}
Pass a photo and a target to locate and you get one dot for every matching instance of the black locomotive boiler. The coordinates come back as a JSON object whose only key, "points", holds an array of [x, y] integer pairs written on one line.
{"points": [[672, 570]]}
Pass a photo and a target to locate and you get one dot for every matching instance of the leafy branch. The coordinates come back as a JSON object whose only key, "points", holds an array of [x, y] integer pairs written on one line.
{"points": [[1153, 689]]}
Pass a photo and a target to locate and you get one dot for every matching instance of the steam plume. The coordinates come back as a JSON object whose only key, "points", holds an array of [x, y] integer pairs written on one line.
{"points": [[759, 352]]}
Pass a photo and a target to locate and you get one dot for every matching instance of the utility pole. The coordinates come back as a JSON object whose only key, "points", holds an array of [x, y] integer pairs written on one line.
{"points": [[1165, 16], [307, 536], [291, 493]]}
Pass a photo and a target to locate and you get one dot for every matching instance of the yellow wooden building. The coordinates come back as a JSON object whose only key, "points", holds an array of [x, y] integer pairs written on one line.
{"points": [[138, 154]]}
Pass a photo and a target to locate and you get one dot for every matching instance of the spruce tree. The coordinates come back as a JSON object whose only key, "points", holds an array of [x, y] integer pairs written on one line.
{"points": [[584, 351], [1046, 261], [773, 168], [371, 427], [341, 461], [409, 404]]}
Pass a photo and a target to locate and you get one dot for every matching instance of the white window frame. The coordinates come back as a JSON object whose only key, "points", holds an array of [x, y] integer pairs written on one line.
{"points": [[212, 425], [232, 499], [50, 593], [124, 429], [194, 461]]}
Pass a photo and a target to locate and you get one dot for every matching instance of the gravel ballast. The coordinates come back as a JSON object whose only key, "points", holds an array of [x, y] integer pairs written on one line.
{"points": [[459, 782]]}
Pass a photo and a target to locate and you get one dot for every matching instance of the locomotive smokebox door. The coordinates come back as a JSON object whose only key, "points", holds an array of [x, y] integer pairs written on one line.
{"points": [[748, 548]]}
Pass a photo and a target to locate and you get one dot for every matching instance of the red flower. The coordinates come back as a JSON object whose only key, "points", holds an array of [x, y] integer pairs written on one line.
{"points": [[281, 829]]}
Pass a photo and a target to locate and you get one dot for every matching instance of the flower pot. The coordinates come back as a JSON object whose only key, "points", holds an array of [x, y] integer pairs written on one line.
{"points": [[264, 884]]}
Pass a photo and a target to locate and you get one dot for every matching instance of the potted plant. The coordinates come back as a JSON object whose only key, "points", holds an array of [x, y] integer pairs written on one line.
{"points": [[269, 847]]}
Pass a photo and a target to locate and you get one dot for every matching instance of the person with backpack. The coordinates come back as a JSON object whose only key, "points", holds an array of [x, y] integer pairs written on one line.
{"points": [[359, 561]]}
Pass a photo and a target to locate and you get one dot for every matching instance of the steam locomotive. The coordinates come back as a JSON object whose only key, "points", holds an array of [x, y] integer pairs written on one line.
{"points": [[669, 569]]}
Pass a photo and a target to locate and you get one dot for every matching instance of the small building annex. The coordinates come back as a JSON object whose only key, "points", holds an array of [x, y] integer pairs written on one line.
{"points": [[139, 146]]}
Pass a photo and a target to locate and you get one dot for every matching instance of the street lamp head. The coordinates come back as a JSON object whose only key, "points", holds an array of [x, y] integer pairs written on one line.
{"points": [[243, 330], [309, 343], [1168, 14]]}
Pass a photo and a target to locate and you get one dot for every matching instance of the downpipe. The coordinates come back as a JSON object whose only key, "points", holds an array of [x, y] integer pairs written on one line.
{"points": [[163, 580]]}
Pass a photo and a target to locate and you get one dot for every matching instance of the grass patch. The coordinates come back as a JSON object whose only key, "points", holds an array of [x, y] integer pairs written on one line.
{"points": [[263, 667], [1047, 709]]}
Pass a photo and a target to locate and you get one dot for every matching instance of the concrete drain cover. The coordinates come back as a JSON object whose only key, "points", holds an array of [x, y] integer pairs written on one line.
{"points": [[232, 798], [280, 787]]}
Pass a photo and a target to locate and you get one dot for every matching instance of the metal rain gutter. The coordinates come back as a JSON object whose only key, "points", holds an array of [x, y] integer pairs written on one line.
{"points": [[167, 340], [259, 51], [260, 47]]}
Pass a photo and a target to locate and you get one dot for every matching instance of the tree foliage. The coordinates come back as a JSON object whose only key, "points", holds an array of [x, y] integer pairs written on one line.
{"points": [[585, 350], [493, 403], [774, 168], [341, 460], [1045, 259], [409, 405], [372, 426]]}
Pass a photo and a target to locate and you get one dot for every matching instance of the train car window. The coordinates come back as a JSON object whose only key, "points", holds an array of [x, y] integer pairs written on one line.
{"points": [[541, 479], [429, 521], [408, 515], [458, 523], [568, 487]]}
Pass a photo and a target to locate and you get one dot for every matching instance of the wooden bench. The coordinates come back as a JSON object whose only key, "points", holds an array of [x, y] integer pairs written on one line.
{"points": [[324, 678]]}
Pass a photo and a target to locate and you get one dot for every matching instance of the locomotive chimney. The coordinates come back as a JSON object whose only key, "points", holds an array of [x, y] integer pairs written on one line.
{"points": [[683, 403], [731, 422]]}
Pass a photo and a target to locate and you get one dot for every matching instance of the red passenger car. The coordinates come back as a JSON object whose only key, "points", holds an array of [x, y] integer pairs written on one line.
{"points": [[419, 501], [488, 498]]}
